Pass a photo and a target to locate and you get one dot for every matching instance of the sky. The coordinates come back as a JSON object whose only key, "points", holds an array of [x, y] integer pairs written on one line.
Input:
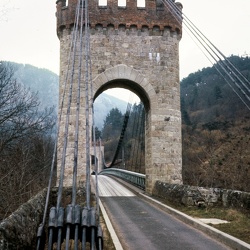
{"points": [[28, 32]]}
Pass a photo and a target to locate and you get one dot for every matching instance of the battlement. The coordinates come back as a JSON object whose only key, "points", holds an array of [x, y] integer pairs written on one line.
{"points": [[121, 14]]}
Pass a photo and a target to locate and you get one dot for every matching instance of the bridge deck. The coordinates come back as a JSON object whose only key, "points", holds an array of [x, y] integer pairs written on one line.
{"points": [[140, 225]]}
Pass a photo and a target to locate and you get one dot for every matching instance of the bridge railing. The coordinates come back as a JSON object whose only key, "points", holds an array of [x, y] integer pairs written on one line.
{"points": [[134, 178]]}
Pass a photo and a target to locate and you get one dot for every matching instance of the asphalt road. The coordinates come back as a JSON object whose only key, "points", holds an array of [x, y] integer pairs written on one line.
{"points": [[141, 226]]}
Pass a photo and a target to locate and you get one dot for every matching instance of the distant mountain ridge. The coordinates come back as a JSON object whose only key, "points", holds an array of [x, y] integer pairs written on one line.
{"points": [[103, 104], [46, 83], [42, 81]]}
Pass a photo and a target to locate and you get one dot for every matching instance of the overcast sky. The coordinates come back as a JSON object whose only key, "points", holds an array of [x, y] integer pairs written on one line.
{"points": [[28, 31]]}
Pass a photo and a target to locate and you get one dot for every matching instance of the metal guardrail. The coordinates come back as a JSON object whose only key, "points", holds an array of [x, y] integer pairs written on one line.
{"points": [[134, 178]]}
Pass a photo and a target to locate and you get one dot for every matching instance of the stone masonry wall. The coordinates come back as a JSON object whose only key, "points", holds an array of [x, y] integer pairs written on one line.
{"points": [[136, 49], [202, 197], [154, 14], [19, 230]]}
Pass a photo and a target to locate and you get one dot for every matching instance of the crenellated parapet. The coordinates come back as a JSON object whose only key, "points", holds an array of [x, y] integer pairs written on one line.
{"points": [[154, 18], [133, 46]]}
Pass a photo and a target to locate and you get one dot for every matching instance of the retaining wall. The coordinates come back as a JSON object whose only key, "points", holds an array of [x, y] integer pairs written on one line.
{"points": [[202, 197], [19, 230]]}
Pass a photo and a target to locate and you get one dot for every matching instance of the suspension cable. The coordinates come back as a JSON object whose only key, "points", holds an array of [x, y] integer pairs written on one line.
{"points": [[40, 232], [87, 106], [99, 229], [60, 188], [94, 141], [140, 126], [124, 127], [73, 207], [68, 113], [134, 134], [242, 84]]}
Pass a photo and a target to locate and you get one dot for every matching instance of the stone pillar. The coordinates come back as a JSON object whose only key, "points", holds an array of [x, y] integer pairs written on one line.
{"points": [[137, 49]]}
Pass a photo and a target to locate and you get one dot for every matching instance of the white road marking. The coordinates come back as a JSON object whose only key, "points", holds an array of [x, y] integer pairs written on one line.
{"points": [[108, 187]]}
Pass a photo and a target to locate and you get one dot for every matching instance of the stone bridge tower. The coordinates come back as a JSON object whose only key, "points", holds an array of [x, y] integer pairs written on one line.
{"points": [[135, 47]]}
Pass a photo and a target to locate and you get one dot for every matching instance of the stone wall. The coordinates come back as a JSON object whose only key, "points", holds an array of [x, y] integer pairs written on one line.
{"points": [[19, 230], [153, 15], [202, 197], [135, 49]]}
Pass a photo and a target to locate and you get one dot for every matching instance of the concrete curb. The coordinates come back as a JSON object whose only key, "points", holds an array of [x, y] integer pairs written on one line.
{"points": [[112, 232], [214, 233], [113, 235], [227, 239]]}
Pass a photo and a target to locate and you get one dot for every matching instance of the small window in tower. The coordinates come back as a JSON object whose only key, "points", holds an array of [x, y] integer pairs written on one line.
{"points": [[121, 3], [102, 2], [141, 3], [66, 2]]}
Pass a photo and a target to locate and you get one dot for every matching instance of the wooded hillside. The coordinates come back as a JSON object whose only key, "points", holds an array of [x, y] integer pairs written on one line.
{"points": [[216, 126]]}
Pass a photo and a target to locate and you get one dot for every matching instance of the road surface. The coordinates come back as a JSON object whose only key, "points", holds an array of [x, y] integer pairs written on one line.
{"points": [[141, 226]]}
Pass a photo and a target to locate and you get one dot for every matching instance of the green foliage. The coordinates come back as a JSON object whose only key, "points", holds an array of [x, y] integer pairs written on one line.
{"points": [[98, 133], [217, 92], [112, 125], [111, 132], [214, 119], [133, 142], [114, 119], [206, 95]]}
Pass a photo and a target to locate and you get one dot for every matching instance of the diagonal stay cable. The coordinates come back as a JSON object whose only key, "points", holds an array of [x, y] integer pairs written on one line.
{"points": [[67, 118], [87, 106], [210, 46], [141, 139], [41, 226], [124, 127], [60, 188], [231, 71], [96, 239], [73, 208], [140, 129], [94, 137]]}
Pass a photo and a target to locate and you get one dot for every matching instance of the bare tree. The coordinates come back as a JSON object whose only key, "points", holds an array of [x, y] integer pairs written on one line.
{"points": [[19, 110], [26, 142]]}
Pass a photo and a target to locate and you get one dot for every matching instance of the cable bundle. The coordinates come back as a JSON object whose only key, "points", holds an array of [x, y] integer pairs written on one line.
{"points": [[80, 224], [238, 83]]}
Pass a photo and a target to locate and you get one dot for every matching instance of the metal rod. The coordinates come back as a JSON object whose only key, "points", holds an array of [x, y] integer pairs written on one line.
{"points": [[50, 243], [87, 107], [67, 237], [93, 238], [59, 238], [84, 238], [76, 237]]}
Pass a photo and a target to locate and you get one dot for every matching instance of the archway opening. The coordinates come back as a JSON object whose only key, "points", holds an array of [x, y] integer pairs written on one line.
{"points": [[113, 104]]}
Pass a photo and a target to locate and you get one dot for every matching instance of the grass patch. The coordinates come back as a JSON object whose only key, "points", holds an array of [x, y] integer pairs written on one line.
{"points": [[238, 227]]}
